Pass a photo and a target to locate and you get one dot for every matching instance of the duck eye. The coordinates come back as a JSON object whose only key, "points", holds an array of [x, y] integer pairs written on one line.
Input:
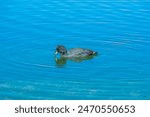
{"points": [[57, 49]]}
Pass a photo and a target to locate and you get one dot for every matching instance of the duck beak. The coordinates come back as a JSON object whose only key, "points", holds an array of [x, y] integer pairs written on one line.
{"points": [[56, 52]]}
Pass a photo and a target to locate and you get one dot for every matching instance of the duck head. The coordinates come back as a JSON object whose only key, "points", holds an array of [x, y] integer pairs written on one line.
{"points": [[61, 49]]}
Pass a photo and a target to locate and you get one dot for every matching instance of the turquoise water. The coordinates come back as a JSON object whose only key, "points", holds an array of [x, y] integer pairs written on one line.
{"points": [[30, 30]]}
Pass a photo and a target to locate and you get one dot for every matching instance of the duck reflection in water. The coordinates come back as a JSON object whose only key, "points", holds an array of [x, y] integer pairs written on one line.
{"points": [[75, 54]]}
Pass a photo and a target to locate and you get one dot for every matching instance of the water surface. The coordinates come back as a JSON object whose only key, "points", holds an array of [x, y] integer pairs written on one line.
{"points": [[31, 30]]}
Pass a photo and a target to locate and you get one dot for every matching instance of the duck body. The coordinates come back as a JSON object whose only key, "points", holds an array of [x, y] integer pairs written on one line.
{"points": [[79, 52], [75, 52]]}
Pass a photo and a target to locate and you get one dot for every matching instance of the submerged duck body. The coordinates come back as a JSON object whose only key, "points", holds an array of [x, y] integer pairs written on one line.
{"points": [[75, 52]]}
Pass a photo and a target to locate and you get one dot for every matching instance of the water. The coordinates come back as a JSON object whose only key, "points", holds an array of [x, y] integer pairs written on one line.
{"points": [[30, 30]]}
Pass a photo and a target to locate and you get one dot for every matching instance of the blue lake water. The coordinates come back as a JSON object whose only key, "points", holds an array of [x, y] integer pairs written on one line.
{"points": [[30, 30]]}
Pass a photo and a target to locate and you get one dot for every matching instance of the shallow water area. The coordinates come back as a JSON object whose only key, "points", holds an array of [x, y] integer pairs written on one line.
{"points": [[118, 31]]}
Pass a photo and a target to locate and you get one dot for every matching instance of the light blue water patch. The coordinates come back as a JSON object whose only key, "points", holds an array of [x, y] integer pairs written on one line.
{"points": [[118, 31]]}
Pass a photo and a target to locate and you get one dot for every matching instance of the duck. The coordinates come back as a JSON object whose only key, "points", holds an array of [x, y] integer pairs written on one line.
{"points": [[74, 52]]}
